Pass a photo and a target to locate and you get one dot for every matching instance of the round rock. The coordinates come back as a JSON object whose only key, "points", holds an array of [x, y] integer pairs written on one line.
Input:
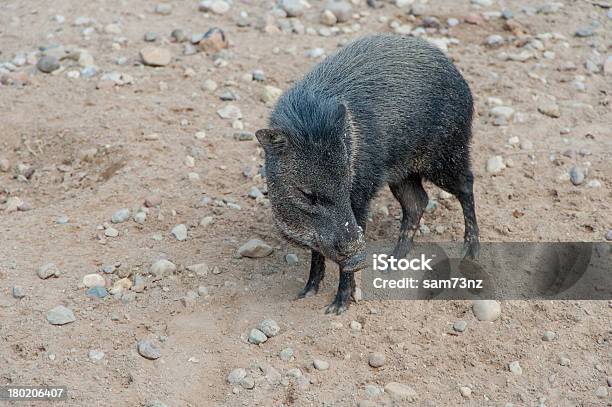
{"points": [[93, 280], [269, 327], [341, 9], [320, 364], [460, 326], [486, 310], [515, 368], [48, 64], [257, 337], [376, 359], [162, 267], [236, 376]]}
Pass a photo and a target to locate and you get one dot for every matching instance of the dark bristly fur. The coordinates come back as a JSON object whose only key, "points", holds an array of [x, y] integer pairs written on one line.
{"points": [[384, 109]]}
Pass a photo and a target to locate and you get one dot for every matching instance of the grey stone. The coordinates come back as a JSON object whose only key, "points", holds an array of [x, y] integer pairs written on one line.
{"points": [[255, 248], [549, 336], [486, 310], [401, 392], [18, 292], [121, 216], [162, 267], [376, 359], [48, 270], [269, 327], [97, 292], [495, 164], [230, 112], [179, 232], [236, 375], [178, 35], [320, 364], [584, 32], [293, 8], [515, 368], [257, 337], [286, 354], [96, 355], [48, 64], [460, 326], [60, 315], [291, 259], [150, 36], [577, 175], [149, 350], [341, 9]]}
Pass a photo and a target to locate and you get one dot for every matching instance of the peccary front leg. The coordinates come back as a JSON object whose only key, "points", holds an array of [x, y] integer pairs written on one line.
{"points": [[346, 289], [346, 283], [413, 199], [317, 272]]}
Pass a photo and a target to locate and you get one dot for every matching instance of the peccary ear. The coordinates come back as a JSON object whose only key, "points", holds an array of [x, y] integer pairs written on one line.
{"points": [[271, 137]]}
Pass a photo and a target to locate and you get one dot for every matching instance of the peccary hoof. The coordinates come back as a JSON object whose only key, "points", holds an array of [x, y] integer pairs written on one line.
{"points": [[471, 250], [337, 307], [308, 291]]}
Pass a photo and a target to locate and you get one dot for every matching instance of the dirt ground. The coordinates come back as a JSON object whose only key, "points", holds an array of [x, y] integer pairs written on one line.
{"points": [[144, 131]]}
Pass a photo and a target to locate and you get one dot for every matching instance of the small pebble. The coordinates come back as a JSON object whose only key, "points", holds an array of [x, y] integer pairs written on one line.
{"points": [[400, 392], [577, 175], [549, 336], [601, 392], [48, 64], [515, 368], [97, 292], [376, 359], [269, 327], [255, 248], [355, 326], [286, 354], [257, 337], [179, 232], [148, 349], [48, 270], [236, 376], [465, 391], [162, 268], [460, 326], [291, 259], [60, 315], [486, 310], [320, 364], [18, 292], [96, 355]]}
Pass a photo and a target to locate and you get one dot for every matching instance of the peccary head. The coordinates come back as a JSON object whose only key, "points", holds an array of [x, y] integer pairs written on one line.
{"points": [[309, 174]]}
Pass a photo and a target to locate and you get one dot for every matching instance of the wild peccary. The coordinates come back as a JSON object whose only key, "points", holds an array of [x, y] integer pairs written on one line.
{"points": [[384, 109]]}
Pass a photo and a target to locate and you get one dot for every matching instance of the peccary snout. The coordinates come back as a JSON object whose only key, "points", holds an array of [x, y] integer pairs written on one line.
{"points": [[343, 243]]}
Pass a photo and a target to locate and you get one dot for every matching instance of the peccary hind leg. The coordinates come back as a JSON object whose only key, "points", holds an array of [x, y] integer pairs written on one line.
{"points": [[413, 199], [317, 272], [462, 186]]}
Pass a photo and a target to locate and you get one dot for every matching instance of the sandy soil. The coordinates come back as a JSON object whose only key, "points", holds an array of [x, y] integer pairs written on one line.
{"points": [[47, 124]]}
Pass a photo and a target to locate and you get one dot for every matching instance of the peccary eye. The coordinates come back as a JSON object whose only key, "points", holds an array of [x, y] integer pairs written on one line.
{"points": [[310, 196]]}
